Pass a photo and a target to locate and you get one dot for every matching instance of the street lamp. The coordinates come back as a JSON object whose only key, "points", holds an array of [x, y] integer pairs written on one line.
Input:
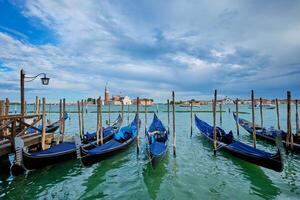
{"points": [[45, 81]]}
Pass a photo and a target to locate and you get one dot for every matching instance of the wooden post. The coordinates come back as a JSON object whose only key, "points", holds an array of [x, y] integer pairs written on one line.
{"points": [[145, 116], [122, 108], [289, 136], [277, 111], [297, 118], [109, 113], [49, 112], [79, 120], [237, 116], [174, 130], [253, 118], [60, 117], [100, 120], [261, 113], [191, 116], [85, 104], [63, 119], [44, 124], [22, 79], [39, 107], [168, 102], [220, 105], [138, 136], [25, 108], [214, 123], [128, 114], [82, 117], [6, 106], [36, 105]]}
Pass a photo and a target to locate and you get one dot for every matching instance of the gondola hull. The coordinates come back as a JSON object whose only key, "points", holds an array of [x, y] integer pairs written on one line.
{"points": [[36, 162], [88, 160], [247, 153], [260, 135]]}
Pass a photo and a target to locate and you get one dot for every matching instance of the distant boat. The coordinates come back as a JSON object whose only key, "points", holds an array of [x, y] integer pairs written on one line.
{"points": [[157, 144], [265, 106], [268, 134], [121, 141], [239, 149]]}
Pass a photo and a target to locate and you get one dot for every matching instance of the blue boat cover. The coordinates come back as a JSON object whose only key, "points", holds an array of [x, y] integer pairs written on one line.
{"points": [[65, 146], [156, 125], [106, 132], [157, 148], [233, 144], [108, 145]]}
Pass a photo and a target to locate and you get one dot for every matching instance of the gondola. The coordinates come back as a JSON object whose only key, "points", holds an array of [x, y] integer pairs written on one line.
{"points": [[107, 133], [121, 141], [60, 152], [239, 149], [49, 128], [157, 144], [268, 134]]}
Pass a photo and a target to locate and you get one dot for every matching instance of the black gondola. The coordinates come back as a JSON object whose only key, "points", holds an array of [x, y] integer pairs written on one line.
{"points": [[121, 141], [239, 149], [157, 144], [60, 152], [268, 134]]}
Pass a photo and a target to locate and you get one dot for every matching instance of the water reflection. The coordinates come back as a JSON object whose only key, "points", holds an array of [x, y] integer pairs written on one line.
{"points": [[153, 177]]}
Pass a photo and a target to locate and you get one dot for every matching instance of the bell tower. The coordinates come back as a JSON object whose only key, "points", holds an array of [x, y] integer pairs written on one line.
{"points": [[106, 95]]}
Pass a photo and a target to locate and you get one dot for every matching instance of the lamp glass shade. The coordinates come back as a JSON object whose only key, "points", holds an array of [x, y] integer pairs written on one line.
{"points": [[45, 80]]}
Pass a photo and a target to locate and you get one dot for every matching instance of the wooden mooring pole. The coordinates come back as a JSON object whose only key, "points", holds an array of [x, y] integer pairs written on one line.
{"points": [[128, 114], [82, 117], [138, 124], [253, 118], [297, 118], [289, 136], [191, 118], [237, 116], [44, 124], [122, 110], [79, 120], [60, 118], [174, 130], [63, 119], [261, 113], [277, 112], [214, 123], [168, 102], [145, 116], [109, 113], [221, 112]]}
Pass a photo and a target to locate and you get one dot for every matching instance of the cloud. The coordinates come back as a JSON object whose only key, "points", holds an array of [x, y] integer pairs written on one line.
{"points": [[150, 48]]}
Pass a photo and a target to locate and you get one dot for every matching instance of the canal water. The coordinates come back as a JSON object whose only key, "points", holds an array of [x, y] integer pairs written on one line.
{"points": [[195, 173]]}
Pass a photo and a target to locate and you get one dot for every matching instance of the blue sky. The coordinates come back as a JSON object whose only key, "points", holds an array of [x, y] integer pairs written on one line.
{"points": [[149, 48]]}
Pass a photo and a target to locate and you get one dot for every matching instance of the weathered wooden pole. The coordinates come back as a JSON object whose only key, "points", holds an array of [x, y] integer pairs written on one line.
{"points": [[49, 112], [79, 120], [297, 118], [253, 118], [82, 116], [289, 136], [109, 113], [277, 112], [138, 124], [44, 124], [191, 118], [85, 104], [214, 123], [261, 113], [174, 130], [22, 79], [39, 107], [128, 114], [36, 105], [97, 124], [60, 117], [63, 119], [220, 105], [6, 106], [100, 120], [122, 108], [237, 116], [168, 102], [145, 116], [25, 107]]}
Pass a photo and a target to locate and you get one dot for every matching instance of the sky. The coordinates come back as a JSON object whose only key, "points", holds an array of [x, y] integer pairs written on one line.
{"points": [[149, 48]]}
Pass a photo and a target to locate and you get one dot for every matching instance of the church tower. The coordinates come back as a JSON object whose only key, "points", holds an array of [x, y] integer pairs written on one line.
{"points": [[106, 95]]}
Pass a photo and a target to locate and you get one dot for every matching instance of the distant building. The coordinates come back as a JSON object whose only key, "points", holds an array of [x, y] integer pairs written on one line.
{"points": [[150, 102], [127, 101], [106, 96]]}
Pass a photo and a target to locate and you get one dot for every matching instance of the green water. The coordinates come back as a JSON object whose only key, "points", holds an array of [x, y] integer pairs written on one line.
{"points": [[194, 174]]}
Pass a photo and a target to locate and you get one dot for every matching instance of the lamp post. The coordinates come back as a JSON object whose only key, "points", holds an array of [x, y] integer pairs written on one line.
{"points": [[44, 79]]}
